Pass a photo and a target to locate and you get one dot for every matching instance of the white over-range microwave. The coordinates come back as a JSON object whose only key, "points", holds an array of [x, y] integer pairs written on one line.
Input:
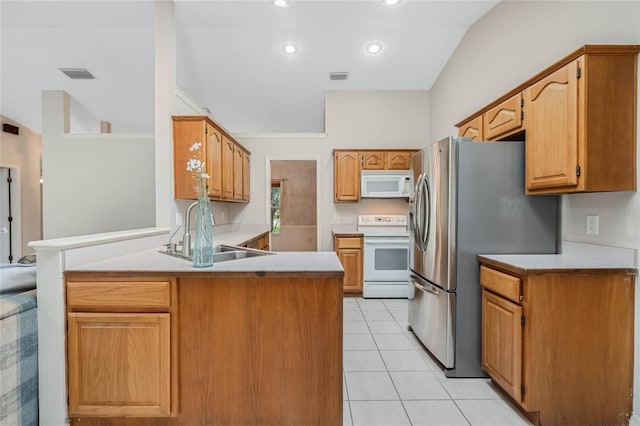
{"points": [[385, 183]]}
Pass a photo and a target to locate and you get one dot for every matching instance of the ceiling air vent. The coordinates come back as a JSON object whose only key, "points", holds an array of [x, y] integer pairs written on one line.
{"points": [[77, 73], [338, 76]]}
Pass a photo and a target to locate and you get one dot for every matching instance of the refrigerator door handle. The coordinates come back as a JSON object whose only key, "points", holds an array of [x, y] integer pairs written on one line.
{"points": [[418, 212], [419, 286], [426, 193]]}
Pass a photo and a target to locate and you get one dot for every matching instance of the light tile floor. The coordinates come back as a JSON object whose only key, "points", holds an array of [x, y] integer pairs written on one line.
{"points": [[389, 378]]}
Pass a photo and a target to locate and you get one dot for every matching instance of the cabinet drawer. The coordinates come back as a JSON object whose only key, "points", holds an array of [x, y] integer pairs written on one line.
{"points": [[349, 242], [119, 295], [503, 284]]}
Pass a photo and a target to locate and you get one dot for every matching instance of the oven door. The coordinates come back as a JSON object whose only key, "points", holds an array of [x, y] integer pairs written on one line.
{"points": [[386, 258]]}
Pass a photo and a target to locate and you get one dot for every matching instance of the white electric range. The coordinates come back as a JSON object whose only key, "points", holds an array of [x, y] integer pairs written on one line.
{"points": [[386, 256]]}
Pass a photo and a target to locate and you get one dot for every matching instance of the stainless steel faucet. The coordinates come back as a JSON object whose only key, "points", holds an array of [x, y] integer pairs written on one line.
{"points": [[186, 237]]}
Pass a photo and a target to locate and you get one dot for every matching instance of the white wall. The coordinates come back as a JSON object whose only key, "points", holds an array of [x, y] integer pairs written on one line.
{"points": [[510, 44], [24, 151], [353, 120], [93, 183]]}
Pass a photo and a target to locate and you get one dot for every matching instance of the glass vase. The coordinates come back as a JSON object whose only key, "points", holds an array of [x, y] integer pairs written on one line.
{"points": [[203, 238]]}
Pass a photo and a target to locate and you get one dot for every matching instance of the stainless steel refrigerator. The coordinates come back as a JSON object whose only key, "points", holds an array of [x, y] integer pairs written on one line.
{"points": [[469, 199]]}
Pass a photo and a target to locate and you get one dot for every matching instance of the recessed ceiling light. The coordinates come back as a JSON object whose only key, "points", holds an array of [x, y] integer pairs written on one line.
{"points": [[290, 49], [374, 48], [390, 2], [281, 3]]}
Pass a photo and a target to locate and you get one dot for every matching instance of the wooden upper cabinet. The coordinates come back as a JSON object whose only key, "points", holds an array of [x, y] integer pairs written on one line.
{"points": [[503, 119], [185, 134], [397, 160], [214, 162], [346, 175], [227, 168], [238, 161], [246, 176], [217, 152], [580, 119], [385, 160], [552, 130], [373, 160], [472, 129]]}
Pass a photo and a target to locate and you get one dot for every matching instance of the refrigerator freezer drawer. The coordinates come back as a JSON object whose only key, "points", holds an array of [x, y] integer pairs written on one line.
{"points": [[431, 318]]}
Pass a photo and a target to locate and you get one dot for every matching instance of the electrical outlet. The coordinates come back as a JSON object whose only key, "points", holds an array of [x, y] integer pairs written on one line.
{"points": [[336, 215], [178, 219], [592, 224]]}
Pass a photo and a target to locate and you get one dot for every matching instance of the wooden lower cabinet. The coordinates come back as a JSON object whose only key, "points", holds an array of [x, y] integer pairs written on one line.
{"points": [[349, 250], [261, 242], [560, 343], [248, 348], [119, 364], [121, 355]]}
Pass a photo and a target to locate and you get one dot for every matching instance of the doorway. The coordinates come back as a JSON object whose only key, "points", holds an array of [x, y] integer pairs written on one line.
{"points": [[293, 204]]}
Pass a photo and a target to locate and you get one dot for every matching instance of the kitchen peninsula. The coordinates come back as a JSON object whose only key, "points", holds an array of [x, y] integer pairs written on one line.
{"points": [[152, 340]]}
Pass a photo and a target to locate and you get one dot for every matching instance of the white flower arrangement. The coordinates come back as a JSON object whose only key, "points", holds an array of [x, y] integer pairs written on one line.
{"points": [[198, 171]]}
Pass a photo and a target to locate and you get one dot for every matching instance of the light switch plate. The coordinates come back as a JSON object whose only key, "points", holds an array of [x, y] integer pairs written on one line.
{"points": [[592, 224]]}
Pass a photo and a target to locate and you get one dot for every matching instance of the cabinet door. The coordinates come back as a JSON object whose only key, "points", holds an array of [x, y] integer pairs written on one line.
{"points": [[503, 119], [551, 116], [502, 342], [214, 162], [346, 176], [351, 260], [246, 177], [372, 160], [227, 168], [396, 160], [119, 364], [472, 129], [185, 134], [238, 161]]}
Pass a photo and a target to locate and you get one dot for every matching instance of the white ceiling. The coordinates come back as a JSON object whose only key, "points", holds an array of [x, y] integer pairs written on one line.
{"points": [[229, 56]]}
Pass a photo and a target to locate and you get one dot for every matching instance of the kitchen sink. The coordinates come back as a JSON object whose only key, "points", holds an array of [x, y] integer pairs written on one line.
{"points": [[223, 253]]}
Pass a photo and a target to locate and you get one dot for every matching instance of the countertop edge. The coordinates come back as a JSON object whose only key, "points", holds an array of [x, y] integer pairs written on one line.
{"points": [[509, 267], [196, 273]]}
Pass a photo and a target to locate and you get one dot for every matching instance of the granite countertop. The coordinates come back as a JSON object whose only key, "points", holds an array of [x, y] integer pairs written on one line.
{"points": [[575, 257]]}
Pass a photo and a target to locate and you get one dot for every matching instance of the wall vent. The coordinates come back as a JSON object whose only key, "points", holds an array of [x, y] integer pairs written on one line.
{"points": [[77, 73], [338, 76]]}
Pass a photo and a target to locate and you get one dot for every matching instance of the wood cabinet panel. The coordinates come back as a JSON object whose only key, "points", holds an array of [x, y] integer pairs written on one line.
{"points": [[185, 134], [397, 160], [552, 130], [372, 160], [246, 177], [346, 176], [472, 129], [214, 162], [121, 295], [238, 161], [349, 251], [272, 353], [504, 119], [119, 364], [500, 283], [227, 168], [502, 342]]}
